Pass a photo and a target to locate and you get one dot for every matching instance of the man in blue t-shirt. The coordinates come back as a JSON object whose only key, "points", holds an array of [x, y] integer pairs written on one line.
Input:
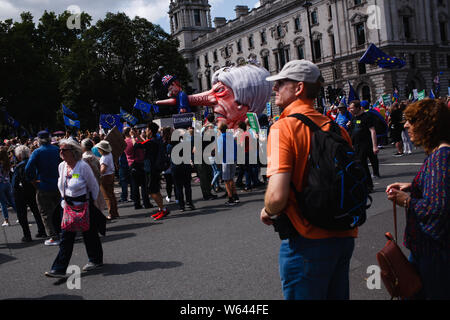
{"points": [[175, 91], [42, 170], [344, 116]]}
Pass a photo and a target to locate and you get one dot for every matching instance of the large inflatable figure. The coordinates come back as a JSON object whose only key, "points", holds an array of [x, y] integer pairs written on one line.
{"points": [[235, 91]]}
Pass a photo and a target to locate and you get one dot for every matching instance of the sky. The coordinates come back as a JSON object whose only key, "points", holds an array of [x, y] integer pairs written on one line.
{"points": [[153, 10]]}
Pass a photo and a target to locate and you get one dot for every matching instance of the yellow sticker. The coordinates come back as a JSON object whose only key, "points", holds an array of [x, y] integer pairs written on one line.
{"points": [[358, 121], [75, 176]]}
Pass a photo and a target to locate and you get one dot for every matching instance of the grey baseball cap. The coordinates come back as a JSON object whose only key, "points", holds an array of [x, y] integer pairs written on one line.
{"points": [[299, 70]]}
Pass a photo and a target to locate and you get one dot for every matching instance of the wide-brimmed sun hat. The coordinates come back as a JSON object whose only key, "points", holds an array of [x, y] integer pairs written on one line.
{"points": [[104, 145]]}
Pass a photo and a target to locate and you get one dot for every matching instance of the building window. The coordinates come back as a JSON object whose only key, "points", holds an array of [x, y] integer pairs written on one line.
{"points": [[297, 24], [227, 52], [279, 31], [362, 68], [330, 12], [198, 62], [314, 17], [251, 43], [412, 59], [265, 60], [407, 28], [208, 81], [357, 2], [215, 55], [175, 19], [443, 27], [333, 44], [200, 84], [197, 17], [206, 60], [448, 61], [360, 34], [366, 93], [317, 50], [263, 37], [300, 52], [239, 46]]}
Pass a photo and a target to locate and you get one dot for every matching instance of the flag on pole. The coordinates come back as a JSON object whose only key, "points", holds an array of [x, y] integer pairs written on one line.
{"points": [[71, 123], [374, 55], [352, 95], [109, 121], [128, 117], [69, 112], [143, 106]]}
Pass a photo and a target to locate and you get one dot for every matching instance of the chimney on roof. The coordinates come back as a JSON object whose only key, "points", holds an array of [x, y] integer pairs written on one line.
{"points": [[241, 11], [219, 21]]}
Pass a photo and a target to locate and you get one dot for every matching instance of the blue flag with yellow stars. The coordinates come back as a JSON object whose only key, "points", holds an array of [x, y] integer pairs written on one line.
{"points": [[374, 55], [71, 123], [128, 117], [109, 121]]}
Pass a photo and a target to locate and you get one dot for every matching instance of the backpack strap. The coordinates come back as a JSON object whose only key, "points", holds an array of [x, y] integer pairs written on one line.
{"points": [[314, 127]]}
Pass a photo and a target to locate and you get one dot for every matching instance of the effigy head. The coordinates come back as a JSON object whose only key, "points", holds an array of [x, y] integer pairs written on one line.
{"points": [[235, 91]]}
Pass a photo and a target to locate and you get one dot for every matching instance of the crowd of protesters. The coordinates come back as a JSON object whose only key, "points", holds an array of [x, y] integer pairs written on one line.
{"points": [[44, 172], [29, 172]]}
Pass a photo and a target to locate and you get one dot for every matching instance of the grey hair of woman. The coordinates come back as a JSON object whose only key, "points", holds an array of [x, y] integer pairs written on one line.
{"points": [[248, 83], [75, 146], [87, 144], [22, 152]]}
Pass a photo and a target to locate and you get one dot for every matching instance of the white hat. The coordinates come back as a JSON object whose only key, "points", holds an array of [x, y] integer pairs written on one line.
{"points": [[299, 70], [104, 145]]}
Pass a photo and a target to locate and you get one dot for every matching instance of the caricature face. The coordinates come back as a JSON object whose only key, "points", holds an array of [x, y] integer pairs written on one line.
{"points": [[226, 107], [173, 89]]}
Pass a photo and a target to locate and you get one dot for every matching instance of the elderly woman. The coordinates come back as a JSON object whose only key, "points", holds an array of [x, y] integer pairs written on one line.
{"points": [[107, 178], [426, 199], [25, 195], [76, 184], [90, 158]]}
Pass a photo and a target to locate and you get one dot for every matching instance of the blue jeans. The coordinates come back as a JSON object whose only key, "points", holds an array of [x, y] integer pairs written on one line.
{"points": [[6, 198], [216, 173], [316, 269], [434, 274]]}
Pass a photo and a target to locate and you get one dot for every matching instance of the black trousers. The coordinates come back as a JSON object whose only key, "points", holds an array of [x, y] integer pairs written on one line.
{"points": [[139, 181], [23, 200], [91, 241], [206, 175], [375, 164], [363, 152], [182, 180]]}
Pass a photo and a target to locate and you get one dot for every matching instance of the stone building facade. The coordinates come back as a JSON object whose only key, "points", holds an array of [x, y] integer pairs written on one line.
{"points": [[337, 34]]}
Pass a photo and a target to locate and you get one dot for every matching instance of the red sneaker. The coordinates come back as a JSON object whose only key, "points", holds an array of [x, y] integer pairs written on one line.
{"points": [[162, 214], [156, 214]]}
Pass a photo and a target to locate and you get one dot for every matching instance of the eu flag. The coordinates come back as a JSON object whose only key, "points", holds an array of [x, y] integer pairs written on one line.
{"points": [[143, 106], [155, 108], [374, 55], [109, 121], [71, 123], [69, 112], [128, 117], [352, 95]]}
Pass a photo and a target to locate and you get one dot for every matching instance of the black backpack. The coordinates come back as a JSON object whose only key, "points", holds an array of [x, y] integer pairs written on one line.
{"points": [[335, 195]]}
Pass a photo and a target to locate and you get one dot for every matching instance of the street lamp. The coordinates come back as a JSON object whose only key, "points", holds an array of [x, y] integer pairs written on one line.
{"points": [[307, 5]]}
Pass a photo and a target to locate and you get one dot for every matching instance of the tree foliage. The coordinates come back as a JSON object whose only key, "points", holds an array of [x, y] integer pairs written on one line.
{"points": [[95, 69]]}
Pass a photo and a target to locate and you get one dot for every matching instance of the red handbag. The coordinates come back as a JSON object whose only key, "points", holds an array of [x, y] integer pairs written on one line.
{"points": [[75, 218], [398, 274]]}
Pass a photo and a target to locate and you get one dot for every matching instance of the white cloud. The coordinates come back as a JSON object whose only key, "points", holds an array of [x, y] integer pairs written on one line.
{"points": [[7, 10], [151, 10]]}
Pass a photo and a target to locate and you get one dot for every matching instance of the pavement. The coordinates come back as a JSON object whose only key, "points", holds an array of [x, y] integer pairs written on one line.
{"points": [[212, 253]]}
